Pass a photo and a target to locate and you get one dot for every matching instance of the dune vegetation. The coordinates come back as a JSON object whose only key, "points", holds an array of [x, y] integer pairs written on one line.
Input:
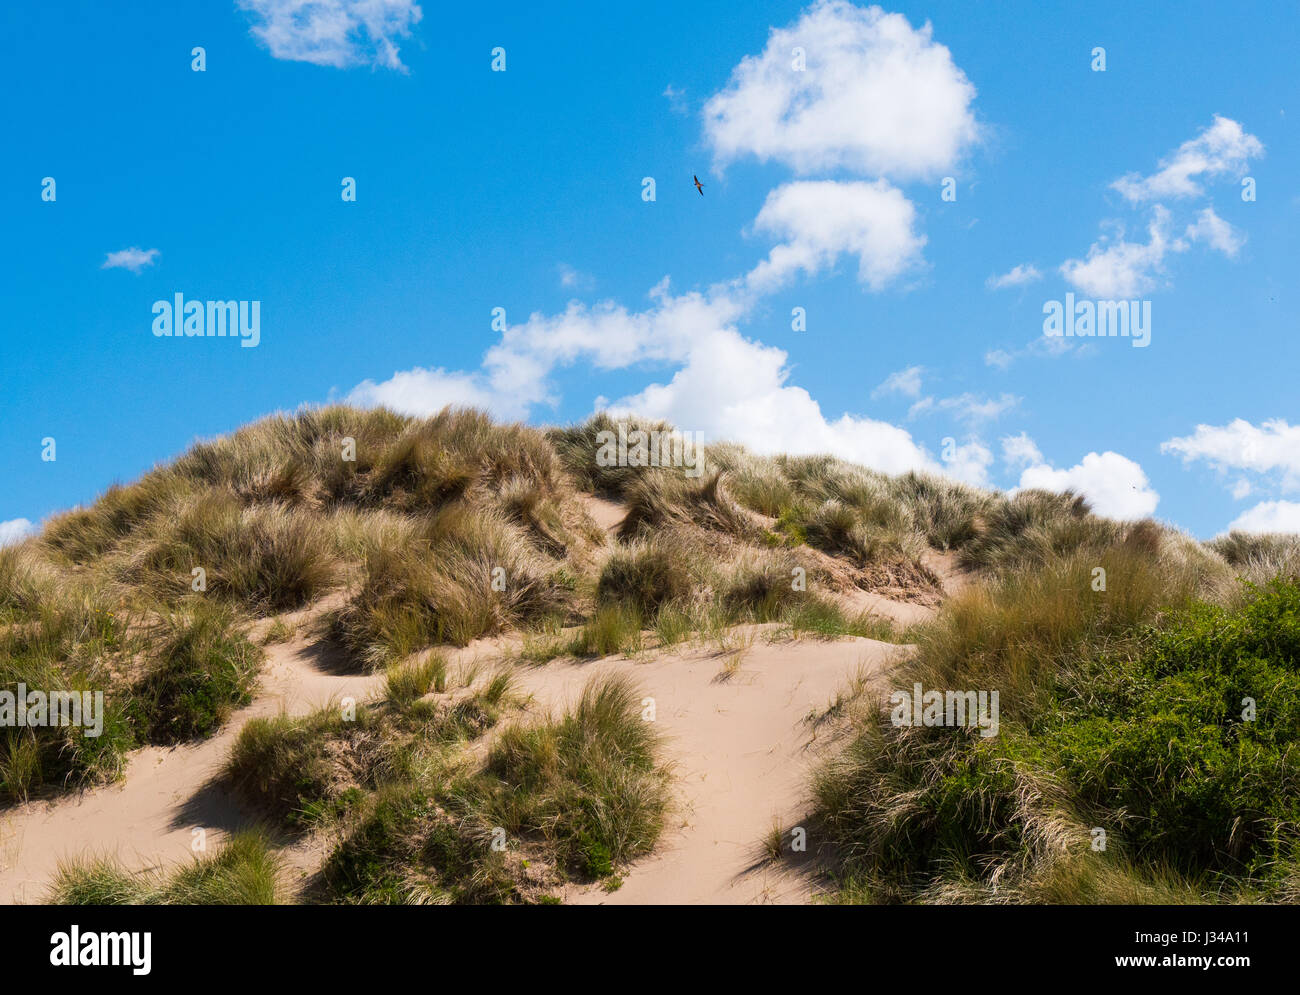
{"points": [[1121, 705]]}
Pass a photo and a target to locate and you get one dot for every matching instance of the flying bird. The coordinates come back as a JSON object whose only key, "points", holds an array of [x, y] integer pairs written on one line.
{"points": [[698, 185]]}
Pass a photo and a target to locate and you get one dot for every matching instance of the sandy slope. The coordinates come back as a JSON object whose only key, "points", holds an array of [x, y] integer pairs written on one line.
{"points": [[741, 744], [147, 818], [742, 747]]}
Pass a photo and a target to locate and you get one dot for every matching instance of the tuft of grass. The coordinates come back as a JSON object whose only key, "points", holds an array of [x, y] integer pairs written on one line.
{"points": [[268, 558], [279, 631], [409, 681], [467, 573], [246, 870], [613, 629], [646, 575], [204, 669], [589, 783]]}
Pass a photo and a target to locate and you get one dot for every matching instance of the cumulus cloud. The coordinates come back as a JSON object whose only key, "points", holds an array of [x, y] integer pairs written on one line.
{"points": [[906, 382], [1212, 229], [736, 389], [818, 221], [1273, 446], [876, 96], [425, 392], [1114, 485], [135, 259], [1269, 516], [1222, 148], [969, 463], [1018, 276], [15, 530], [1020, 451], [1119, 268], [337, 33]]}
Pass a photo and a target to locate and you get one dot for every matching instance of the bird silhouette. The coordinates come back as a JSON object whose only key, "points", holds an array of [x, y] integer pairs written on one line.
{"points": [[698, 185]]}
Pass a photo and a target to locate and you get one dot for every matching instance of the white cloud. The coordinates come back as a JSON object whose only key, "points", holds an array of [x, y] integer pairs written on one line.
{"points": [[1242, 489], [425, 392], [1018, 276], [572, 279], [338, 33], [15, 530], [1269, 516], [1222, 148], [906, 382], [818, 221], [877, 96], [1211, 228], [969, 408], [969, 463], [1114, 485], [1122, 269], [999, 358], [1270, 447], [1020, 451], [733, 388], [135, 259]]}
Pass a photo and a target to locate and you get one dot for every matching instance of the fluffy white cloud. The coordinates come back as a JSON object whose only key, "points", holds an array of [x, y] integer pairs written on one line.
{"points": [[338, 33], [876, 96], [818, 221], [906, 382], [1222, 148], [135, 259], [732, 388], [1269, 516], [1270, 447], [1018, 276], [425, 392], [15, 530], [1119, 268], [1209, 227], [1020, 451], [969, 463], [1114, 485]]}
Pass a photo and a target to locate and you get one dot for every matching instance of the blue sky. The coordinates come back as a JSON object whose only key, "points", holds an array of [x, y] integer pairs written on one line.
{"points": [[523, 190]]}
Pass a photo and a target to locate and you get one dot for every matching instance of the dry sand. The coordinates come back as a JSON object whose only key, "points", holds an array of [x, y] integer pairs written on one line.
{"points": [[736, 725], [741, 745]]}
